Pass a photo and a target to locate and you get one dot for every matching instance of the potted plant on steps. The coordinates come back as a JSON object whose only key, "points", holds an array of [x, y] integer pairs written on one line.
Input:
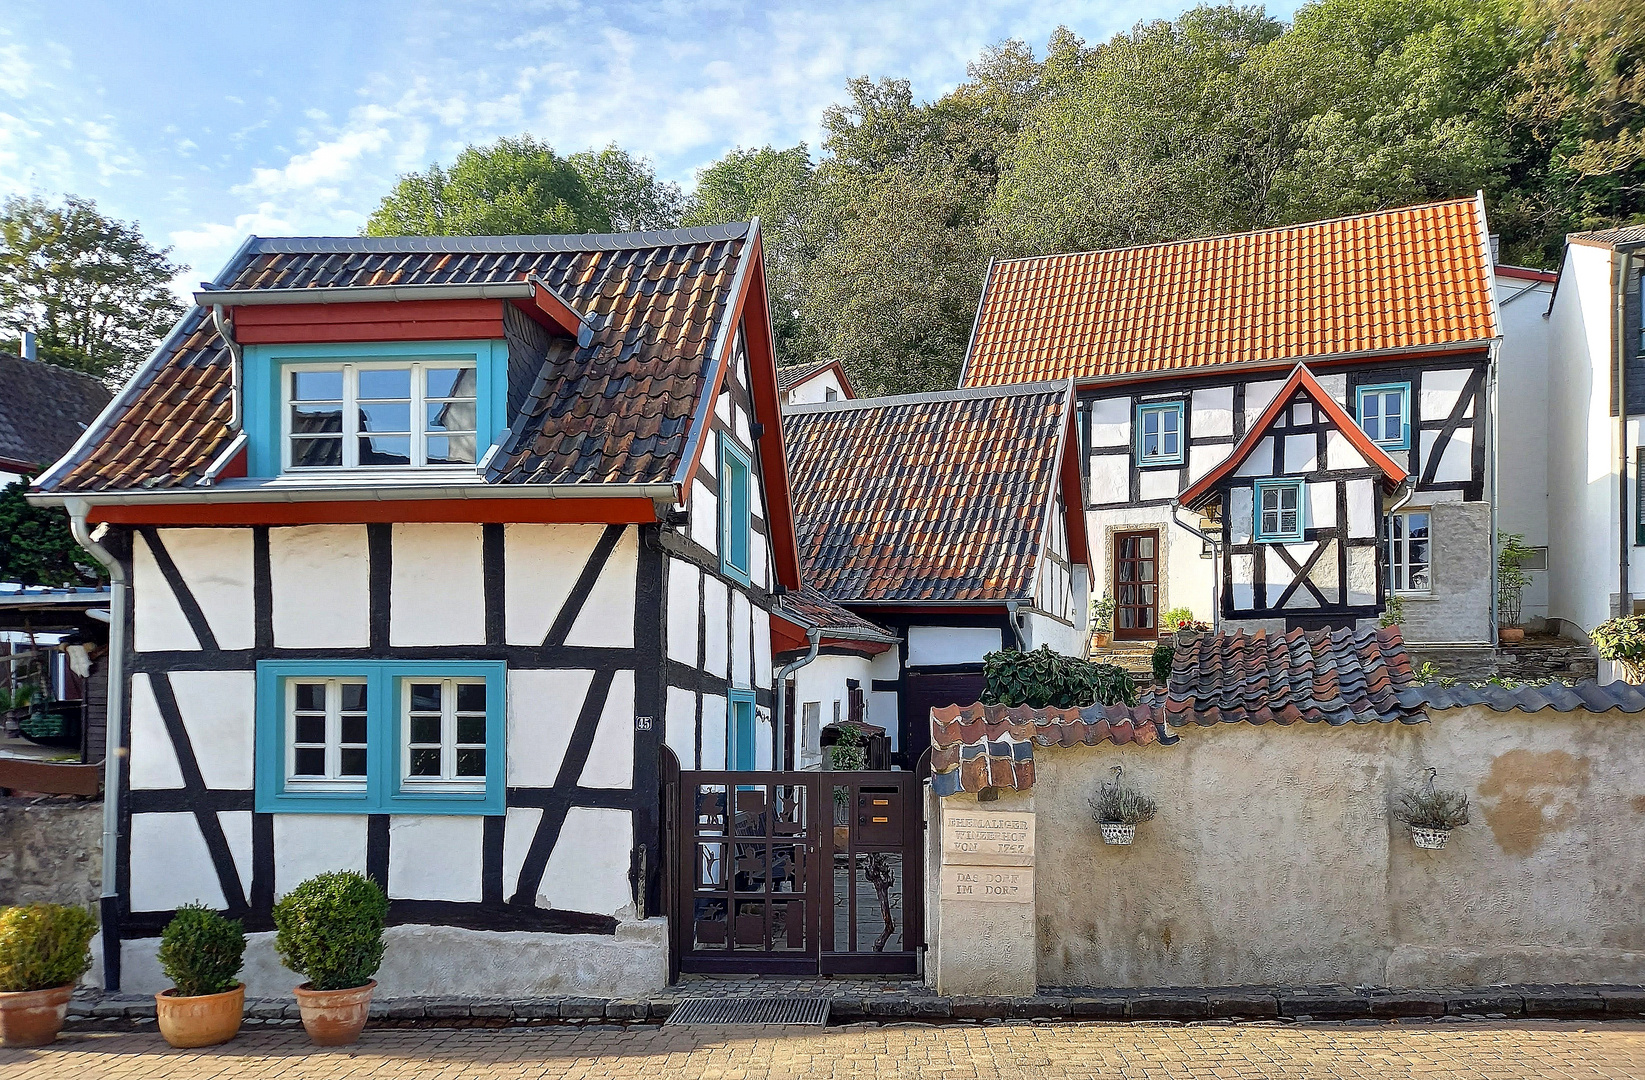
{"points": [[1622, 641], [201, 952], [1431, 813], [330, 928], [1119, 809], [1102, 621], [43, 952], [1511, 580]]}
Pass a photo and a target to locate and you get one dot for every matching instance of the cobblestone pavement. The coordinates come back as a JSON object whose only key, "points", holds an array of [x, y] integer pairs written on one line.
{"points": [[956, 1052]]}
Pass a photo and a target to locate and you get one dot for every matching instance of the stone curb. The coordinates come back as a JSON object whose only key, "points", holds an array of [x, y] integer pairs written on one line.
{"points": [[1164, 1004]]}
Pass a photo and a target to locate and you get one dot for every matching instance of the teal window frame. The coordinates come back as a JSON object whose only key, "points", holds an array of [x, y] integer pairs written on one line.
{"points": [[1404, 389], [741, 719], [1280, 536], [383, 792], [265, 366], [1161, 408], [736, 478]]}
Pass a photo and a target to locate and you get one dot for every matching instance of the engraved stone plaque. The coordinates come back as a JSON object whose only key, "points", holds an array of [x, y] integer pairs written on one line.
{"points": [[988, 838], [988, 884]]}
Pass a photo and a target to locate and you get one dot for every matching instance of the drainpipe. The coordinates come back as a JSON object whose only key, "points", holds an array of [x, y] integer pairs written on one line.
{"points": [[225, 330], [114, 738], [1011, 607], [1625, 265], [1216, 568], [815, 638]]}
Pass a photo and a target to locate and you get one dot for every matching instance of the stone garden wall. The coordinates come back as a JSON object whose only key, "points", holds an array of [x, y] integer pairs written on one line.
{"points": [[50, 851], [1274, 859]]}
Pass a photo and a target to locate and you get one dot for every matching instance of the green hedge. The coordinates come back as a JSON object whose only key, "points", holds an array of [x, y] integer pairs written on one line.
{"points": [[44, 946], [1043, 679]]}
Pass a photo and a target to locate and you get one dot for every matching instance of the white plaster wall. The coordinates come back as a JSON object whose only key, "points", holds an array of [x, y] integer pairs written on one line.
{"points": [[1582, 542], [588, 870], [1063, 638], [705, 507], [1212, 412], [437, 585], [716, 622], [714, 732], [216, 565], [170, 864], [742, 641], [436, 857], [684, 585], [680, 726], [764, 674], [219, 714], [159, 623], [607, 619], [309, 844], [542, 711], [153, 761], [823, 681], [541, 563], [1108, 479], [611, 756], [815, 388], [1111, 421], [933, 645], [1186, 578], [1301, 877], [321, 580]]}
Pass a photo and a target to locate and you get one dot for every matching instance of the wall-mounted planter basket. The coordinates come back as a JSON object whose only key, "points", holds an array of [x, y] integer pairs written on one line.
{"points": [[1431, 839], [1114, 832]]}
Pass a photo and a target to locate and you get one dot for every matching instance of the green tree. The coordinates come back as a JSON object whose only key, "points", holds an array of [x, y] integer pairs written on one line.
{"points": [[36, 547], [94, 291], [627, 188], [512, 187]]}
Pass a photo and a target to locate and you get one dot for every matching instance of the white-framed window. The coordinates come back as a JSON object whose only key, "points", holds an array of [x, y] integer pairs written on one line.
{"points": [[326, 734], [1279, 510], [390, 414], [1406, 548], [443, 734], [1159, 434]]}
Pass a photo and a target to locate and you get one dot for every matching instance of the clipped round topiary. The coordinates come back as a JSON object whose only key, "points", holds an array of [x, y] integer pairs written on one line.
{"points": [[43, 946], [202, 952], [330, 928]]}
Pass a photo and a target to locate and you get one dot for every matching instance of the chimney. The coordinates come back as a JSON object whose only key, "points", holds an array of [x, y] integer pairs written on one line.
{"points": [[29, 350]]}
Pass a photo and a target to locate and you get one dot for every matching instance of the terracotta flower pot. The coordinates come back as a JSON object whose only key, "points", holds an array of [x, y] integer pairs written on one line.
{"points": [[200, 1021], [334, 1017], [1510, 635], [1102, 639], [33, 1017]]}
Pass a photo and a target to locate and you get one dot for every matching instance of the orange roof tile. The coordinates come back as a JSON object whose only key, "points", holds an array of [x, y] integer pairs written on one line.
{"points": [[1412, 279]]}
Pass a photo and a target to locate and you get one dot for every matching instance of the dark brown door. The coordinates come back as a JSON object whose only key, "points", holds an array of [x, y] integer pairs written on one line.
{"points": [[1136, 585]]}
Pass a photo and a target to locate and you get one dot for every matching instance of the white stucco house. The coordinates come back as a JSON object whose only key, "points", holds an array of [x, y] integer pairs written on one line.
{"points": [[818, 381]]}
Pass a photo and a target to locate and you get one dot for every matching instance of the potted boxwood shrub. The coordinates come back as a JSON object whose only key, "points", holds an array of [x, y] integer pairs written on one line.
{"points": [[1622, 641], [1102, 621], [330, 928], [1119, 808], [43, 952], [201, 952], [1430, 813]]}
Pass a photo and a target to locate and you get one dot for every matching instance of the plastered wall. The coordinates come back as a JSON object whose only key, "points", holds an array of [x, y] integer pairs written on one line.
{"points": [[1274, 859]]}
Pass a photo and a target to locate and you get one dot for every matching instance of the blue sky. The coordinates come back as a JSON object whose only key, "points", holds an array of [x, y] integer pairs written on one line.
{"points": [[206, 122]]}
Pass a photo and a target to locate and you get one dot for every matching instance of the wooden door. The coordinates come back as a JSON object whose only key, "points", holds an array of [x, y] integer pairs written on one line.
{"points": [[1136, 585]]}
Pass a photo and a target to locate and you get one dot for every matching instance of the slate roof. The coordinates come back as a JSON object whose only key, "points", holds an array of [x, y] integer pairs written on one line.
{"points": [[1322, 676], [1408, 279], [44, 409], [619, 410], [791, 375], [812, 609], [926, 496], [991, 746], [1610, 238]]}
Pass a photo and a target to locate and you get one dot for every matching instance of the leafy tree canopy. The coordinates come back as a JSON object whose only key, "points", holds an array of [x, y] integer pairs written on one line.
{"points": [[93, 290], [36, 547]]}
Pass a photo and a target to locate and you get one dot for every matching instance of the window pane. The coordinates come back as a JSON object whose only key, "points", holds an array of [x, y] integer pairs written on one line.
{"points": [[451, 416], [425, 729], [385, 450], [450, 382], [471, 763], [353, 762], [317, 386], [471, 697], [1150, 423], [1145, 547], [377, 383], [354, 729], [471, 729], [1288, 498], [311, 697], [316, 419], [310, 729], [314, 453], [450, 449], [354, 697], [425, 763], [1288, 521], [1150, 445], [393, 418], [310, 763], [1270, 498], [425, 697]]}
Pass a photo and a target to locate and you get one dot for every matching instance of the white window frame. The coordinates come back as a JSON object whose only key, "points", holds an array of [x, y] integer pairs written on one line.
{"points": [[333, 780], [448, 780], [1161, 409], [1402, 566], [351, 435]]}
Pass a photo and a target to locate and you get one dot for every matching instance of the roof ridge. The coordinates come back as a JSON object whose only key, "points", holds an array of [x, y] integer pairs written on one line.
{"points": [[546, 242], [1296, 227], [931, 397]]}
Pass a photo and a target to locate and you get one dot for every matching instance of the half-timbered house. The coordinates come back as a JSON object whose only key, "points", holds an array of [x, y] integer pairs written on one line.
{"points": [[1180, 351], [945, 518], [432, 546]]}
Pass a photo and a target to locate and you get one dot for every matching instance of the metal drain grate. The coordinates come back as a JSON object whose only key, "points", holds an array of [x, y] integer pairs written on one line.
{"points": [[761, 1010]]}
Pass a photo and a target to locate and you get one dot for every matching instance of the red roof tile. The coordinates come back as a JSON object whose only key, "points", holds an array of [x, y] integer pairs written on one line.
{"points": [[992, 746], [1411, 279]]}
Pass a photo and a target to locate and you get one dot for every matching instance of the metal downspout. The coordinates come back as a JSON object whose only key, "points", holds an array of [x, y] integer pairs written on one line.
{"points": [[815, 638], [225, 330], [1625, 261], [1492, 473], [1011, 616], [113, 740]]}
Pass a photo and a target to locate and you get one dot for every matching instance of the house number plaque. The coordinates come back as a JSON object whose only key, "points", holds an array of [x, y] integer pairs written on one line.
{"points": [[988, 838]]}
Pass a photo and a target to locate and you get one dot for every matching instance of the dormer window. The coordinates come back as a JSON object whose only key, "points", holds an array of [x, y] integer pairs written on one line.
{"points": [[414, 414]]}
